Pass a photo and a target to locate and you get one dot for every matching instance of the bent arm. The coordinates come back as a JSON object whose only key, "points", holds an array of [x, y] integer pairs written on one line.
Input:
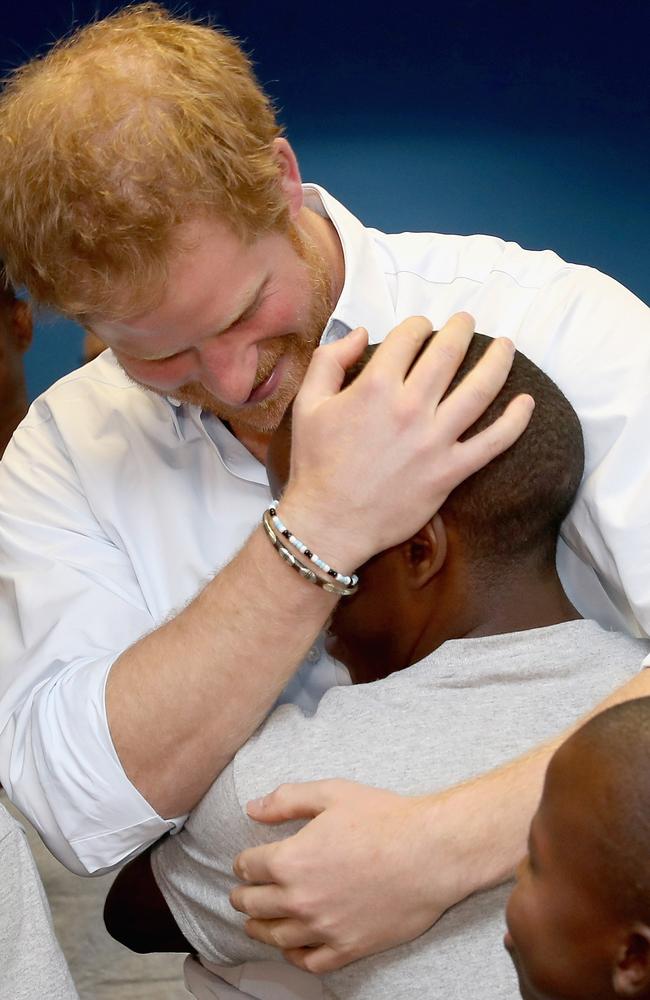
{"points": [[97, 777], [433, 851], [498, 807]]}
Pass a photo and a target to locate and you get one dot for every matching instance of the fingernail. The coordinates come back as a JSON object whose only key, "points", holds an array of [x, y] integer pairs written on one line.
{"points": [[256, 804]]}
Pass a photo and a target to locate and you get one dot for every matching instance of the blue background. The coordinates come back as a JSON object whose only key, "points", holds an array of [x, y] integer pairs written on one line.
{"points": [[526, 120]]}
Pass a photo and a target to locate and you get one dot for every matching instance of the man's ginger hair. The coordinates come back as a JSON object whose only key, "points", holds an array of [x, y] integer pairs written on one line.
{"points": [[129, 127]]}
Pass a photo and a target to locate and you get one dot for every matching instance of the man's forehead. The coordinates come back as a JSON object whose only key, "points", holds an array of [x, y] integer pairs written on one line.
{"points": [[152, 334], [212, 275]]}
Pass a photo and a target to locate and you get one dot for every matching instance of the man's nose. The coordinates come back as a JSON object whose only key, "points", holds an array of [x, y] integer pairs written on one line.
{"points": [[227, 368]]}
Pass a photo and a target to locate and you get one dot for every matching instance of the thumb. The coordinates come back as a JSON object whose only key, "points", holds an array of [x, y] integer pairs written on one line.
{"points": [[292, 801], [329, 364]]}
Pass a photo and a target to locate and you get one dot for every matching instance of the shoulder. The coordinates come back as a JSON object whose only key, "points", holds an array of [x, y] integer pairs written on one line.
{"points": [[585, 639], [97, 387], [443, 258], [94, 416]]}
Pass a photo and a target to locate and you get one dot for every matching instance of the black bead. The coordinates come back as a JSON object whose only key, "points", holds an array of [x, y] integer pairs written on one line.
{"points": [[286, 533], [308, 553], [272, 511], [332, 572]]}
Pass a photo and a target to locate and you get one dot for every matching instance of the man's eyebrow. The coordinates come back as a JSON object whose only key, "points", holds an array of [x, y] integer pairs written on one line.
{"points": [[250, 301]]}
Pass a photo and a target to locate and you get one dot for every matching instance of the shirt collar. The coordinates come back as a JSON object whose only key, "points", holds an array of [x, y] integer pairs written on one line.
{"points": [[365, 298]]}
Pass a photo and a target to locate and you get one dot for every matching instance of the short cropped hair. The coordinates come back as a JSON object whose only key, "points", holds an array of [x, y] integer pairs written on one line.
{"points": [[615, 745], [512, 509], [132, 125]]}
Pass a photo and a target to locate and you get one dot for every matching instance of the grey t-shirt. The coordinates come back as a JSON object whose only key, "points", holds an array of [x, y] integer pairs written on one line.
{"points": [[470, 706], [31, 962]]}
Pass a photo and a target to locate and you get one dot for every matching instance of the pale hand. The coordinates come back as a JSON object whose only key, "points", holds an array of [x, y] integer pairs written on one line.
{"points": [[371, 464], [352, 882]]}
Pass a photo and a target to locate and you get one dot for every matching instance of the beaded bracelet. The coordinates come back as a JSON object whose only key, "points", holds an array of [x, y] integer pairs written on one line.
{"points": [[346, 581], [334, 583]]}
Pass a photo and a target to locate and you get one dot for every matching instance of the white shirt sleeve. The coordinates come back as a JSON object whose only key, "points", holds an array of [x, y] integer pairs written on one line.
{"points": [[69, 604]]}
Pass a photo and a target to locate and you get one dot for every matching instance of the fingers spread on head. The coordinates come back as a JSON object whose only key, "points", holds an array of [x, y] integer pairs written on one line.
{"points": [[328, 366], [396, 353], [480, 449], [432, 373], [478, 389]]}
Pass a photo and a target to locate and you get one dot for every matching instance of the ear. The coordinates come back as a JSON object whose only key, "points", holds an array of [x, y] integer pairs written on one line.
{"points": [[425, 553], [631, 973], [289, 176], [22, 325]]}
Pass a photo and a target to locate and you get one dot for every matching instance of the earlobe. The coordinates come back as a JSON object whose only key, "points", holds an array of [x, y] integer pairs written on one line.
{"points": [[289, 176], [631, 974], [426, 552]]}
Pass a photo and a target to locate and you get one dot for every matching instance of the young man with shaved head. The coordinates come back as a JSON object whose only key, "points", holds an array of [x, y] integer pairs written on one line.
{"points": [[148, 192]]}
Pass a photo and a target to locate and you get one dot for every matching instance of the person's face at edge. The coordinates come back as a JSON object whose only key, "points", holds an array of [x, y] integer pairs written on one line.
{"points": [[559, 937]]}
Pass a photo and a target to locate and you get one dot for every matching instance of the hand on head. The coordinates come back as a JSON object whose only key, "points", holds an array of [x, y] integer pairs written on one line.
{"points": [[353, 451]]}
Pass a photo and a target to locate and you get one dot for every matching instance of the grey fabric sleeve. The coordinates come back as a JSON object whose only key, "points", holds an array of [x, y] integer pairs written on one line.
{"points": [[32, 961]]}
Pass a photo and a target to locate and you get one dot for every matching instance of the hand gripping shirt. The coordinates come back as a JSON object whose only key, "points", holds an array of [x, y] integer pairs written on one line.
{"points": [[116, 506]]}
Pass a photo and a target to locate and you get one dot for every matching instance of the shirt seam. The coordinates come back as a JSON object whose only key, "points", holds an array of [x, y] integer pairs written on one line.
{"points": [[477, 281]]}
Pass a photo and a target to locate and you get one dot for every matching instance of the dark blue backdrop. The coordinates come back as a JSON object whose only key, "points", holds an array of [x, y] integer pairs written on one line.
{"points": [[526, 120]]}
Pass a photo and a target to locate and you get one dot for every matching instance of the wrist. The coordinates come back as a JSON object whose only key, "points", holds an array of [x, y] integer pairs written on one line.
{"points": [[323, 532]]}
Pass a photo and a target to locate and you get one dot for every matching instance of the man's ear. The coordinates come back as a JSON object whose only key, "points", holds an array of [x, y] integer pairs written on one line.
{"points": [[290, 179], [425, 553], [21, 324], [631, 973]]}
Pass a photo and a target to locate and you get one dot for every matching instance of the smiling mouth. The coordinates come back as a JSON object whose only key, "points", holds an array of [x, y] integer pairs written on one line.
{"points": [[264, 388]]}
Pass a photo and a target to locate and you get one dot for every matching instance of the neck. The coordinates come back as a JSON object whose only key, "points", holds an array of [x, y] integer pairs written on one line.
{"points": [[11, 413], [257, 442], [518, 602]]}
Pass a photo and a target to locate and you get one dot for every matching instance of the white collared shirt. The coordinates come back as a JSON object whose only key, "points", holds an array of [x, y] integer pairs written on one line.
{"points": [[116, 506]]}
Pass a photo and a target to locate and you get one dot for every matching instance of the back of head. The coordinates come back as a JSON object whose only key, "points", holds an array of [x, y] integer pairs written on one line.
{"points": [[615, 746], [511, 510], [118, 134]]}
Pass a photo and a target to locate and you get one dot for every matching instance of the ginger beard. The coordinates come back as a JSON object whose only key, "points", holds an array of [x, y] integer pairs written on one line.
{"points": [[265, 416]]}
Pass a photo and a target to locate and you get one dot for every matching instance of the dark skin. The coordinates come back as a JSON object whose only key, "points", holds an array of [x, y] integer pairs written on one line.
{"points": [[15, 338], [419, 594], [569, 937], [414, 597]]}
